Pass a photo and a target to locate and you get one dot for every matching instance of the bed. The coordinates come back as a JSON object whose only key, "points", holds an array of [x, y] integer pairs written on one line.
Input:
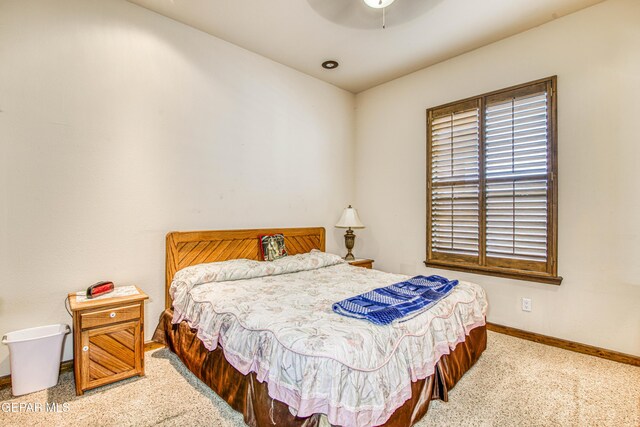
{"points": [[296, 370]]}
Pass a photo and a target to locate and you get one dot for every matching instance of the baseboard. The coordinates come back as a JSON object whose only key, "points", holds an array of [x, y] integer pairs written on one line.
{"points": [[67, 365], [566, 344]]}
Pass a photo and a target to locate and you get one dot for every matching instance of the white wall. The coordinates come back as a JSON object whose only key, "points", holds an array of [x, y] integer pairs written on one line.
{"points": [[118, 125], [596, 55]]}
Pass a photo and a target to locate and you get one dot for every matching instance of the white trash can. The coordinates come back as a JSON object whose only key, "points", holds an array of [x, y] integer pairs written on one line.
{"points": [[35, 355]]}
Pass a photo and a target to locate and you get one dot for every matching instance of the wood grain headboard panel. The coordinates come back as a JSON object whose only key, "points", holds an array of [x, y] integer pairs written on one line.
{"points": [[186, 248]]}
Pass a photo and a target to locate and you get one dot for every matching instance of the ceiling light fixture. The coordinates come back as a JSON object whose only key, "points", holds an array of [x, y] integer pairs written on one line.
{"points": [[359, 15], [330, 65], [380, 4]]}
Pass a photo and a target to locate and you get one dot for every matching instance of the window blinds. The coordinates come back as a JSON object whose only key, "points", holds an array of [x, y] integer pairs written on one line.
{"points": [[454, 161], [491, 191], [516, 135]]}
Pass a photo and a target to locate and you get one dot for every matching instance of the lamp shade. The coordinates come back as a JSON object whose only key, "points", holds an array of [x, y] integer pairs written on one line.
{"points": [[350, 219]]}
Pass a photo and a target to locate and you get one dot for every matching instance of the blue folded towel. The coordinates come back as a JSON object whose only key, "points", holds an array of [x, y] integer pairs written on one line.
{"points": [[384, 305]]}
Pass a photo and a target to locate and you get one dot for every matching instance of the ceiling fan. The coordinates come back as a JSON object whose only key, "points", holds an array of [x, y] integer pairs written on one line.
{"points": [[370, 14]]}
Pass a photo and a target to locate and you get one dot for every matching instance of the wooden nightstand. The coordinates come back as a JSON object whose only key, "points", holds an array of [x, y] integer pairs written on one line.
{"points": [[365, 263], [108, 339]]}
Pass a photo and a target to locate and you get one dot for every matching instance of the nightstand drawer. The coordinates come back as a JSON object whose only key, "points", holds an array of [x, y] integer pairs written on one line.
{"points": [[365, 263], [109, 316]]}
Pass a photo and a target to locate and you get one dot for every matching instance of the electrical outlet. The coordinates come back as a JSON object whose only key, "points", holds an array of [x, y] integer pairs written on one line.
{"points": [[526, 304]]}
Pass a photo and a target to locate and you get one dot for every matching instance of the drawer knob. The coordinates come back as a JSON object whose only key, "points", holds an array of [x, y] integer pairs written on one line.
{"points": [[112, 314], [85, 348]]}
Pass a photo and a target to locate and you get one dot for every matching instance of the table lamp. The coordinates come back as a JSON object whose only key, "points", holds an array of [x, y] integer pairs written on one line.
{"points": [[349, 220]]}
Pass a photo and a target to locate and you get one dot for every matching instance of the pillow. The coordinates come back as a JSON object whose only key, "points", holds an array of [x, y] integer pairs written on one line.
{"points": [[190, 277], [272, 247]]}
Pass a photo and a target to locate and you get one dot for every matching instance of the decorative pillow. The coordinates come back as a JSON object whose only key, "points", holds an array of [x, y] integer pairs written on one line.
{"points": [[272, 247]]}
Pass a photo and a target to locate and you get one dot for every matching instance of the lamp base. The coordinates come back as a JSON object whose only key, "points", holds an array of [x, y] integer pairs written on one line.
{"points": [[349, 241]]}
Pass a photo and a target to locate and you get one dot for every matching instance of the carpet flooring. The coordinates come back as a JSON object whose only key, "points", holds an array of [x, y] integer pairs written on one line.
{"points": [[515, 383]]}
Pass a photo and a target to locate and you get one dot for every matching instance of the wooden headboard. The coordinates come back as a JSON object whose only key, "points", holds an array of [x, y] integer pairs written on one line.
{"points": [[186, 248]]}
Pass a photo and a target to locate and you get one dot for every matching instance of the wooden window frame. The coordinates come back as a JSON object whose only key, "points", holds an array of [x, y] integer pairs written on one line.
{"points": [[518, 269]]}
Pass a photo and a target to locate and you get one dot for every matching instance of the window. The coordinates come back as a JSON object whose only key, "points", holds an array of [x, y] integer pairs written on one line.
{"points": [[492, 188]]}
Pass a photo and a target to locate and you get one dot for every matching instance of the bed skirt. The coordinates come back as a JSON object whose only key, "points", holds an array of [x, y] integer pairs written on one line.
{"points": [[247, 395]]}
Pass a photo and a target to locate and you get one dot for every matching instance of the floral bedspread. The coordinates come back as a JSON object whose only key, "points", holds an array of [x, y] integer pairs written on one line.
{"points": [[275, 319]]}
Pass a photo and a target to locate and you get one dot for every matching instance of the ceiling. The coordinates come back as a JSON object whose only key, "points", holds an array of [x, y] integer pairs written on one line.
{"points": [[300, 34]]}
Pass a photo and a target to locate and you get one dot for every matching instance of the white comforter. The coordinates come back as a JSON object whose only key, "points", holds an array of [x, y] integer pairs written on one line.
{"points": [[275, 319]]}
